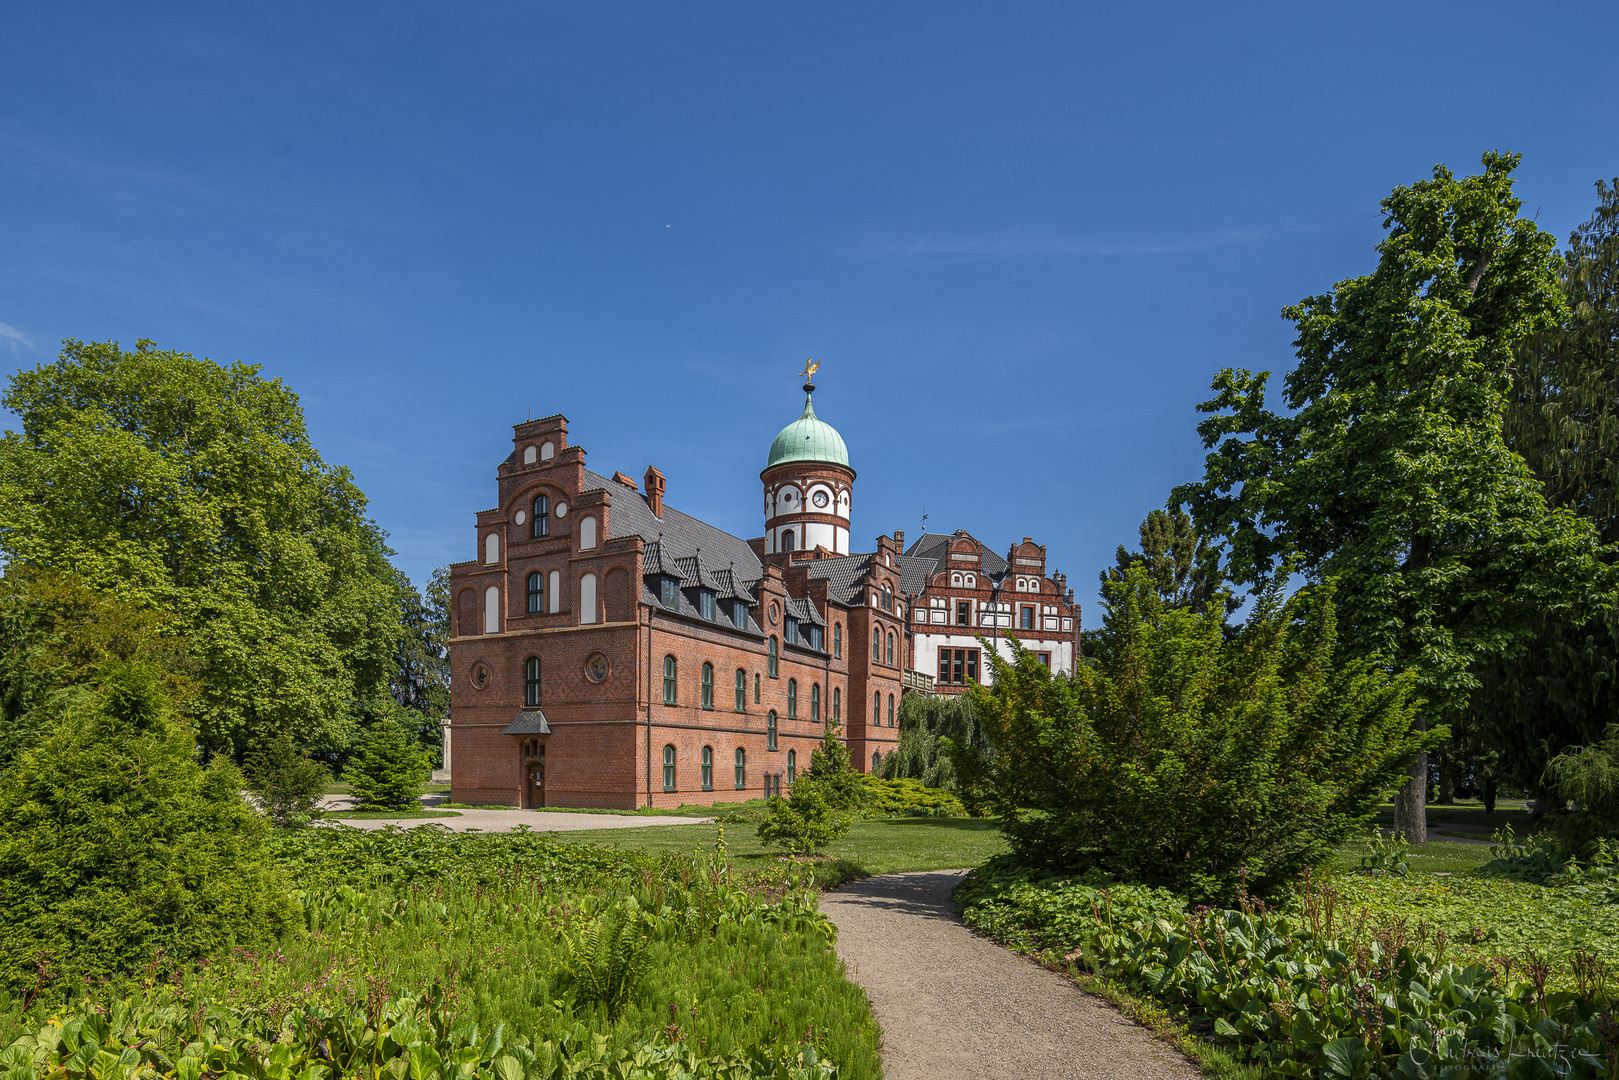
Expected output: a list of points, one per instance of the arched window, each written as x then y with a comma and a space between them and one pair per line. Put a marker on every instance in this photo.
531, 682
770, 730
890, 648
491, 549
555, 581
837, 641
876, 645
815, 702
708, 686
669, 767
546, 450
529, 455
876, 708
774, 666
890, 710
491, 610
741, 768
669, 680
587, 533
708, 768
792, 698
741, 690
876, 760
837, 703
888, 598
756, 688
542, 516
587, 599
792, 765
787, 541
536, 593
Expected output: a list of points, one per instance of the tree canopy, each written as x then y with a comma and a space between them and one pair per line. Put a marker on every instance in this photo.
179, 484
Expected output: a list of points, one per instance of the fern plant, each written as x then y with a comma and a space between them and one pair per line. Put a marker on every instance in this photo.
607, 957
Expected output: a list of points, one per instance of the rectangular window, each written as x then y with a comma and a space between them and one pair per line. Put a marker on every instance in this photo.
671, 593
958, 666
708, 605
944, 665
1028, 617
792, 630
1045, 658
956, 671
668, 680
972, 665
964, 613
739, 614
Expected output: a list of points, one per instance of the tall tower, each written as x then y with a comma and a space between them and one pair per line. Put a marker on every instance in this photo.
808, 483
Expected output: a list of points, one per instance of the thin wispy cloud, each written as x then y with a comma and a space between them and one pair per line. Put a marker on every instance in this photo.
15, 339
1026, 245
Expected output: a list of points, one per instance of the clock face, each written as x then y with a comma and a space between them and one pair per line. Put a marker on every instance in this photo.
820, 498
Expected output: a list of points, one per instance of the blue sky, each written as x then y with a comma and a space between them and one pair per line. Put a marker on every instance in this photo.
1021, 238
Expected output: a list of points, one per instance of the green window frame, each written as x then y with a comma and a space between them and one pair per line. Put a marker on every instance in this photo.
837, 703
541, 525
876, 709
708, 686
792, 699
708, 768
741, 769
536, 593
741, 690
815, 702
890, 710
890, 647
670, 687
756, 688
876, 645
775, 659
837, 641
792, 766
770, 730
669, 767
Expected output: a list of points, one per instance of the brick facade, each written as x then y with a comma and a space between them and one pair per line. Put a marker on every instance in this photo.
582, 633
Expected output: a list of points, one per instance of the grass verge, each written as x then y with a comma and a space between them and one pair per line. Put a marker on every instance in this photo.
388, 815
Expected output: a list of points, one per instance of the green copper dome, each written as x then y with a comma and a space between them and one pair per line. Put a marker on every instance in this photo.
808, 439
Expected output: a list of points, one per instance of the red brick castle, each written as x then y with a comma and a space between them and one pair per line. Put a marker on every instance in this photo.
610, 651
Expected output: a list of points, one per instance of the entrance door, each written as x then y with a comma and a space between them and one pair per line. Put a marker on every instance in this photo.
536, 785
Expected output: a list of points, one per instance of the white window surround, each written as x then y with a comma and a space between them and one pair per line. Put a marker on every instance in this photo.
587, 533
587, 599
491, 610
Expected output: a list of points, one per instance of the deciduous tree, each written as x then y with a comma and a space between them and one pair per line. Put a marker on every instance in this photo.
186, 486
1389, 471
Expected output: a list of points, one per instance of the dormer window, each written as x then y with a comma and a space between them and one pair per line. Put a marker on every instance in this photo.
792, 630
739, 614
671, 593
812, 637
705, 599
542, 516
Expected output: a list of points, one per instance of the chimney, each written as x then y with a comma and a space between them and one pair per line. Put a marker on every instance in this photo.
899, 539
654, 490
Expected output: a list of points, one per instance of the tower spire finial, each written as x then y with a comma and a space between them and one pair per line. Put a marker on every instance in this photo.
810, 368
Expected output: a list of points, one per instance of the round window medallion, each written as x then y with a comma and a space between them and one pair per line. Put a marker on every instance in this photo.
774, 611
520, 517
596, 667
562, 509
819, 500
480, 675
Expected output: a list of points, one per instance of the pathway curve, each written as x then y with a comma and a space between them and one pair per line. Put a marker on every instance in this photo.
955, 1005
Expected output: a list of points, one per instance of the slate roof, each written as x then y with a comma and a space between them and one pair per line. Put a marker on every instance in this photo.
935, 546
804, 611
528, 722
914, 573
679, 535
843, 575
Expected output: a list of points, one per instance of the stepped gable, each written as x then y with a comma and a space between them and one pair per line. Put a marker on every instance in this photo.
934, 546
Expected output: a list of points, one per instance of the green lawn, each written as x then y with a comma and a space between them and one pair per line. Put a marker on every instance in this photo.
388, 815
885, 846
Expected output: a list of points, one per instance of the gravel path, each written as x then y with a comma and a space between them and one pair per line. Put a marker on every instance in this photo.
954, 1005
507, 820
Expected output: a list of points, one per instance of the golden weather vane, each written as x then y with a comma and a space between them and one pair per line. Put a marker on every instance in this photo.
810, 367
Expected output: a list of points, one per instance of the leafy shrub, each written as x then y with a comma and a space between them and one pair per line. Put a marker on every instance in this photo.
606, 957
138, 1038
923, 722
118, 845
1208, 760
387, 771
908, 798
804, 823
287, 783
1386, 855
1322, 994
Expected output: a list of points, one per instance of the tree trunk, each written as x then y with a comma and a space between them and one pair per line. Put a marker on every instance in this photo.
1489, 795
1411, 802
1447, 779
